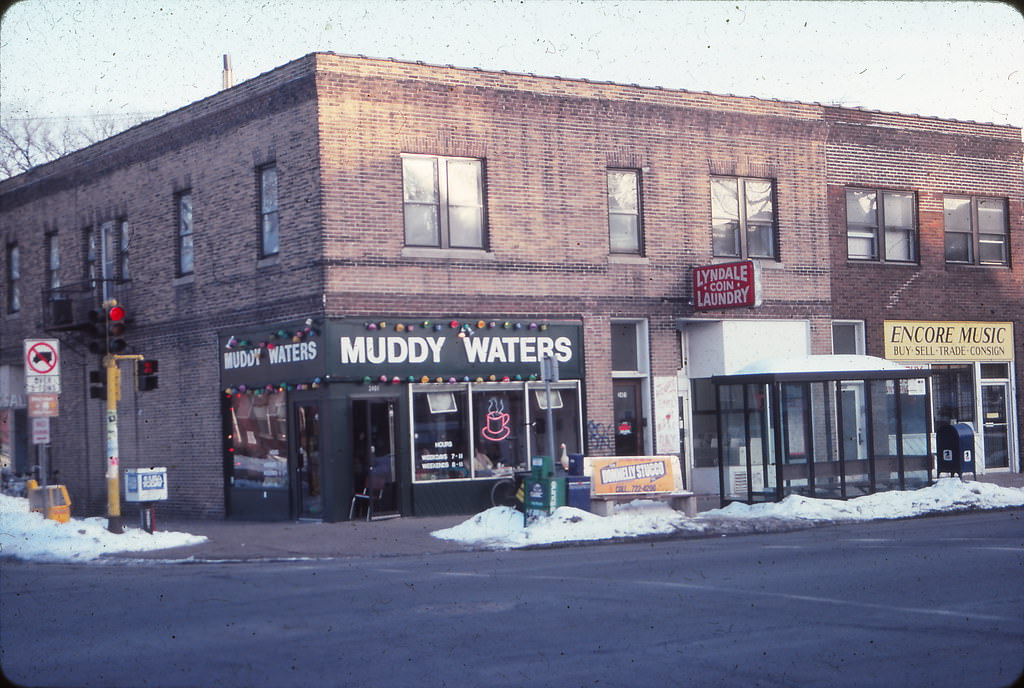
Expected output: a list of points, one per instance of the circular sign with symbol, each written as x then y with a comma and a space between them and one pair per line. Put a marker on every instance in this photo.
41, 358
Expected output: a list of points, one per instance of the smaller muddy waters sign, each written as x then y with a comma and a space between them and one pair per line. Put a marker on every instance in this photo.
726, 285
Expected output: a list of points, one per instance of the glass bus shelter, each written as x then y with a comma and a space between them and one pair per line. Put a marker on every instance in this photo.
822, 426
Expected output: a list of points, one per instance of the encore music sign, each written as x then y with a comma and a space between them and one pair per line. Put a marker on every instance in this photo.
726, 285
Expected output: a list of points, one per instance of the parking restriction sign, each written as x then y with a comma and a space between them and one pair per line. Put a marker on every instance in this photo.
42, 366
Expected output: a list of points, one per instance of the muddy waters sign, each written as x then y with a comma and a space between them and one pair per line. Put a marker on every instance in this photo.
920, 340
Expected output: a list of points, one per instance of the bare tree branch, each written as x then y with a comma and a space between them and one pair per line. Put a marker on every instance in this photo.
26, 142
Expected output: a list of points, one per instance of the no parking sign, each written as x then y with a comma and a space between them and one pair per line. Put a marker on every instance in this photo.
42, 365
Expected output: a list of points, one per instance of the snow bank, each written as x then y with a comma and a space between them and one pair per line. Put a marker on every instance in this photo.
27, 535
502, 527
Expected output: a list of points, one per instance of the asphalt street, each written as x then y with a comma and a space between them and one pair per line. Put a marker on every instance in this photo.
923, 602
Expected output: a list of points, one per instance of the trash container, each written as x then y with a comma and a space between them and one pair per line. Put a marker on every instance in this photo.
955, 447
577, 492
541, 497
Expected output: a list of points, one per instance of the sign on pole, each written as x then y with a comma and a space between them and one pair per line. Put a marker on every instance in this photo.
40, 431
43, 405
42, 366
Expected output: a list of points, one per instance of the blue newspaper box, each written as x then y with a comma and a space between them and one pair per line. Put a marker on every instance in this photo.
575, 464
577, 488
955, 447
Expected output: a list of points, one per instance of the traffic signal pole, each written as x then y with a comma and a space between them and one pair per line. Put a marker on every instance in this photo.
115, 523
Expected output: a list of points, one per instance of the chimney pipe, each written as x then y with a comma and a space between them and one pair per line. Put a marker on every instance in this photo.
227, 78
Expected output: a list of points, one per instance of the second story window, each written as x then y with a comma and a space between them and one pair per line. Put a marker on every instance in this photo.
883, 231
52, 261
443, 201
976, 230
186, 249
624, 211
269, 225
743, 217
124, 244
91, 256
13, 278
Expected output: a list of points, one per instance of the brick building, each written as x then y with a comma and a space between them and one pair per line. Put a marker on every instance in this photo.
349, 270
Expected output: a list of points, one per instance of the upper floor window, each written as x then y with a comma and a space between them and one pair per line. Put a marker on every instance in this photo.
124, 244
976, 230
743, 217
91, 256
269, 224
624, 211
443, 201
13, 278
52, 261
848, 337
186, 247
885, 231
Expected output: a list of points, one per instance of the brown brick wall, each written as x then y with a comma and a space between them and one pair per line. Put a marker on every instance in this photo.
336, 128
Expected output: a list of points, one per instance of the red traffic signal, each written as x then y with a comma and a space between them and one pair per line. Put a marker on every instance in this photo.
146, 374
116, 314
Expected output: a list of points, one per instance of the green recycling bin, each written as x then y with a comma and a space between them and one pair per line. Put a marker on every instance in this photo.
541, 496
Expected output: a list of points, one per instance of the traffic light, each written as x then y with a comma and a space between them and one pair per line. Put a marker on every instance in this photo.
96, 331
97, 384
106, 329
117, 324
146, 374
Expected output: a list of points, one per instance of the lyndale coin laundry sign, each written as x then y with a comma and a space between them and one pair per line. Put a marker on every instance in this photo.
726, 285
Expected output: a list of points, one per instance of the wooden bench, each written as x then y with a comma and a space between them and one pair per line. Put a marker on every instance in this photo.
604, 504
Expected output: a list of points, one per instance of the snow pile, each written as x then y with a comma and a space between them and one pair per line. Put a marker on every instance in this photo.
947, 494
502, 527
27, 535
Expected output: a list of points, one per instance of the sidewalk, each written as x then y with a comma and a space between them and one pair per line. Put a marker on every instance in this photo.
249, 540
270, 541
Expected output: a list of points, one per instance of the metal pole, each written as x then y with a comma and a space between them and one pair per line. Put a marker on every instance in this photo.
115, 524
549, 374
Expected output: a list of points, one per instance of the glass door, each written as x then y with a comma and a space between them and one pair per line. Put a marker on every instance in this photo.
629, 421
373, 452
309, 502
995, 428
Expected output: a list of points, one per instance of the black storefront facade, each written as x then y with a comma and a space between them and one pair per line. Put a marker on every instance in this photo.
441, 407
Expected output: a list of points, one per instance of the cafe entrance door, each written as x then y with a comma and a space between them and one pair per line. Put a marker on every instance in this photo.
373, 452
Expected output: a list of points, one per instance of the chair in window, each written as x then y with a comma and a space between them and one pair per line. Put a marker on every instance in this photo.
373, 490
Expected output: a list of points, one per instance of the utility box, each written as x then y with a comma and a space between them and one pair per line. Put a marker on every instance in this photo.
145, 484
955, 447
541, 497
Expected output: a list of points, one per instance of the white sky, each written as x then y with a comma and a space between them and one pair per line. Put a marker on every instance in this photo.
961, 60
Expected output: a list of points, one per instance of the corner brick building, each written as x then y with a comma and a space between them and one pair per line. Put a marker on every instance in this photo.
349, 270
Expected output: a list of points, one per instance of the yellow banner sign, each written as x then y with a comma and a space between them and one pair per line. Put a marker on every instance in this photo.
634, 475
921, 340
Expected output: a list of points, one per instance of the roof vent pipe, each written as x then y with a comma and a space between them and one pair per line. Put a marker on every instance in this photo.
227, 78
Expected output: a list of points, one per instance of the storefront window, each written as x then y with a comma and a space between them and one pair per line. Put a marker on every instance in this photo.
259, 441
440, 434
953, 394
488, 430
500, 431
565, 414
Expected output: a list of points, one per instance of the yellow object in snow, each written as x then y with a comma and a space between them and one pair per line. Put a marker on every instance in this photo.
51, 501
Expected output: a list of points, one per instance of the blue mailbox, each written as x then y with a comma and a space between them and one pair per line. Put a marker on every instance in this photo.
955, 446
